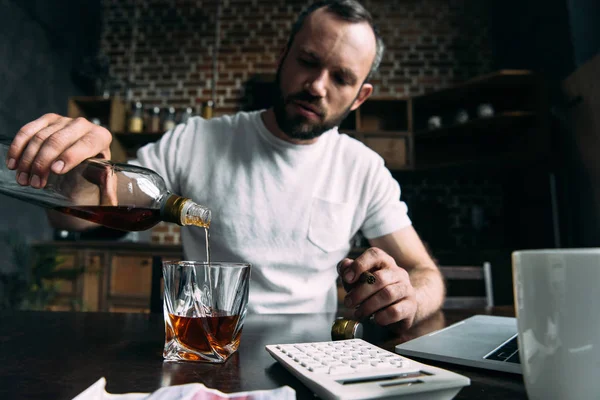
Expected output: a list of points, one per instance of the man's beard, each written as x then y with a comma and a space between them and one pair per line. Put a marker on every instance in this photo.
300, 127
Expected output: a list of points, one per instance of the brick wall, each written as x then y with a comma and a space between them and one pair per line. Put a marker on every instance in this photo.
166, 57
162, 51
456, 213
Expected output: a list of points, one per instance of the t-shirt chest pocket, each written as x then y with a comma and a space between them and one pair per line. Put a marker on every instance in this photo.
329, 227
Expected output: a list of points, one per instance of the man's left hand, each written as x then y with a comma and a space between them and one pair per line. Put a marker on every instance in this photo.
391, 299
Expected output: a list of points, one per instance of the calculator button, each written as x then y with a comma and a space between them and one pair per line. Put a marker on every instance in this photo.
309, 364
385, 365
397, 363
363, 367
335, 364
319, 369
326, 359
379, 364
302, 358
340, 369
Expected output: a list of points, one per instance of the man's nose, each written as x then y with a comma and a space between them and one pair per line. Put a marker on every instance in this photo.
317, 85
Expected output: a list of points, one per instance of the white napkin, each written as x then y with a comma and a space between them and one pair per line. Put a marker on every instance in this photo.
190, 391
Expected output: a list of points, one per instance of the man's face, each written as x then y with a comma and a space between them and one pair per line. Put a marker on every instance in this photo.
320, 78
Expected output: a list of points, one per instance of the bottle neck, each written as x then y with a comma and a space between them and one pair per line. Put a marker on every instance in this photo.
183, 211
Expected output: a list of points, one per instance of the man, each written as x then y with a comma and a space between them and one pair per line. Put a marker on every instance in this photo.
287, 190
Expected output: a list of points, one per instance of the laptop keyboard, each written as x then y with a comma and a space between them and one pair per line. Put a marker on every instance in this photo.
508, 352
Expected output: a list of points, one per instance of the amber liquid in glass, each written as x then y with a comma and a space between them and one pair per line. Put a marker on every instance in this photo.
191, 333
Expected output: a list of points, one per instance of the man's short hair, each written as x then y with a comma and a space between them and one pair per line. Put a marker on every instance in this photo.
347, 10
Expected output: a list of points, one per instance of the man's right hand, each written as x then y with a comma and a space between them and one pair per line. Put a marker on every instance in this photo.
53, 143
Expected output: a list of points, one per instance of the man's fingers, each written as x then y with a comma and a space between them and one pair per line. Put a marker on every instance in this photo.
23, 136
361, 293
55, 144
389, 297
371, 258
93, 143
103, 176
108, 192
342, 265
384, 297
29, 153
400, 313
50, 156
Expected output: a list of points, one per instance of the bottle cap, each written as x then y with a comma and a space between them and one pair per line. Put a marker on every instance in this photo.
346, 329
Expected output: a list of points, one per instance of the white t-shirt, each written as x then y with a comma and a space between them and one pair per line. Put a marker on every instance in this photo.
289, 210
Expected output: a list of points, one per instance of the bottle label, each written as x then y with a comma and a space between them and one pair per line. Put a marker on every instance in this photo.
135, 125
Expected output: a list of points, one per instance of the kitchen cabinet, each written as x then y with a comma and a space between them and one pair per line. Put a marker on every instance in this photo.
115, 277
383, 125
497, 119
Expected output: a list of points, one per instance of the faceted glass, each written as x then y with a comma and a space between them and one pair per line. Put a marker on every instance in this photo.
204, 309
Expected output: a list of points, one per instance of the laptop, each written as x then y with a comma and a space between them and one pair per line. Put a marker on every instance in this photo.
481, 341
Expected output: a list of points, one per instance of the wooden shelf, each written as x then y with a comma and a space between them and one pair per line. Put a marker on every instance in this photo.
383, 115
135, 140
366, 133
501, 162
495, 123
110, 111
506, 91
501, 79
395, 147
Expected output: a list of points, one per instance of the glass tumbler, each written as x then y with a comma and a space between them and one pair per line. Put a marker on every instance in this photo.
204, 309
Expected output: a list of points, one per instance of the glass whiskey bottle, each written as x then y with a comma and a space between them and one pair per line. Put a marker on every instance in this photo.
119, 196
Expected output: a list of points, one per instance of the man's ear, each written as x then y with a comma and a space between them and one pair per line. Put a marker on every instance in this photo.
363, 94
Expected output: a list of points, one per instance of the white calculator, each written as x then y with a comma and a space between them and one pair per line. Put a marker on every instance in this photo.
356, 369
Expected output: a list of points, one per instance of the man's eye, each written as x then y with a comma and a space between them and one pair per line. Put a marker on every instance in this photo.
340, 80
308, 63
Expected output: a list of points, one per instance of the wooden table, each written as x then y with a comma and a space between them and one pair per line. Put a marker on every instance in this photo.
56, 355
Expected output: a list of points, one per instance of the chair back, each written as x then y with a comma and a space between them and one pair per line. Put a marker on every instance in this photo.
468, 286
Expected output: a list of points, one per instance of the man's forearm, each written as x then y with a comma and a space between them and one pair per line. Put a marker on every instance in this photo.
430, 290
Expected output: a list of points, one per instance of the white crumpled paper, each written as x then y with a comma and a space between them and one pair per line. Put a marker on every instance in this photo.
190, 391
